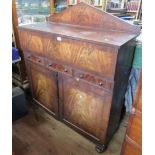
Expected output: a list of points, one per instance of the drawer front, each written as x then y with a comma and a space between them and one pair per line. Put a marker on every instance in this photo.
34, 58
95, 80
31, 41
135, 128
58, 67
79, 74
98, 59
84, 107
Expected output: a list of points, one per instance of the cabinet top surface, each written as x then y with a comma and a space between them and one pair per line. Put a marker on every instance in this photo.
88, 23
113, 38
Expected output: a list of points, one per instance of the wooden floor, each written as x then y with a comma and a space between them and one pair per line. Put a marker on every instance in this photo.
48, 136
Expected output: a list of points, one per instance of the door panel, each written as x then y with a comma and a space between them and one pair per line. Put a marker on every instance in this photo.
44, 86
85, 106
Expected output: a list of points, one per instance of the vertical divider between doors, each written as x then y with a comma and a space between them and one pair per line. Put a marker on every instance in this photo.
60, 95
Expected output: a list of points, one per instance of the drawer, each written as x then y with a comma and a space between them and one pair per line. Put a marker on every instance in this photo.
34, 58
90, 57
96, 80
31, 41
58, 67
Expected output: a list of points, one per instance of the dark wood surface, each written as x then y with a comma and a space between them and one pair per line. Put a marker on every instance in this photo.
92, 63
133, 139
86, 56
89, 16
87, 23
107, 37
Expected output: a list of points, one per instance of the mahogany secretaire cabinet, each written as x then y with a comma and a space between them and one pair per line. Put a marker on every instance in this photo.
78, 65
133, 140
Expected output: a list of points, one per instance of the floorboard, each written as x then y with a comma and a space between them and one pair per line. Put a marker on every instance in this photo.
47, 136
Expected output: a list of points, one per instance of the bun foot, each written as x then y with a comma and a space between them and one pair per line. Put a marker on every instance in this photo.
100, 148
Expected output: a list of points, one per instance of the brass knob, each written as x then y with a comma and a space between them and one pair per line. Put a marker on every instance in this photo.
100, 84
39, 60
77, 79
66, 70
81, 75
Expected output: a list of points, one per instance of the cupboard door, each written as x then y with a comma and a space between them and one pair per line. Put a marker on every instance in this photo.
85, 107
44, 87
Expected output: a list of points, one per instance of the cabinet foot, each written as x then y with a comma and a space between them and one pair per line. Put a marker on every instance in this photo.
100, 148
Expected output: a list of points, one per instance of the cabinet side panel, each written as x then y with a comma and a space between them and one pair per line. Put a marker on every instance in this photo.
123, 68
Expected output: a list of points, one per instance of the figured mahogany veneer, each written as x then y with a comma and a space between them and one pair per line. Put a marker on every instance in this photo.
84, 105
85, 55
44, 86
78, 66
